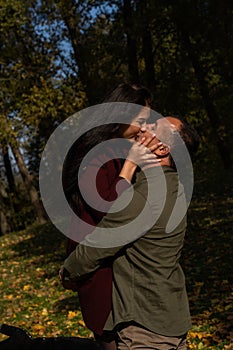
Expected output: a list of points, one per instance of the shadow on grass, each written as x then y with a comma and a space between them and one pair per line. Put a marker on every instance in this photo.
207, 261
43, 240
70, 303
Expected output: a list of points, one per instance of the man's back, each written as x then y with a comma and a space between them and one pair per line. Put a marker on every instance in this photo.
149, 284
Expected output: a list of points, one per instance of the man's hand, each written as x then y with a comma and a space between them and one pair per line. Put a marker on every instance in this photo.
67, 283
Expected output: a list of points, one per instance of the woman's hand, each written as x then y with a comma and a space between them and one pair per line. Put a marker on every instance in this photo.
142, 153
143, 150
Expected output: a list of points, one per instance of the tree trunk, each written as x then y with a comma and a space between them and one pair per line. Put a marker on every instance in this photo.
8, 168
129, 29
7, 223
149, 60
68, 12
28, 181
147, 43
204, 91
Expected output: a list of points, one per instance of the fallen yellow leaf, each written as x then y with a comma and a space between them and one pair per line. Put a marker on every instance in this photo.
71, 315
9, 297
44, 312
26, 287
195, 335
38, 327
81, 322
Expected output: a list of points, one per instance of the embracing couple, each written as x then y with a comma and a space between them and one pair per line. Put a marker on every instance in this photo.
125, 266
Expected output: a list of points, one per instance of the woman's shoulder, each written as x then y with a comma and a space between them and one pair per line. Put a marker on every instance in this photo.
109, 150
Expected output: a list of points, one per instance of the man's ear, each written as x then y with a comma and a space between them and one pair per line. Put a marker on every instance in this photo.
163, 150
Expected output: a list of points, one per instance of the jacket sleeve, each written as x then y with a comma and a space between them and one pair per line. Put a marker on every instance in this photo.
110, 237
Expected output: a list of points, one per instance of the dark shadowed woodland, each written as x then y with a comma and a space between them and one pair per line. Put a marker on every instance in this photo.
60, 56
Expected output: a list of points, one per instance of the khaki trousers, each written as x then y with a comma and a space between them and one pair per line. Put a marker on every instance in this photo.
134, 337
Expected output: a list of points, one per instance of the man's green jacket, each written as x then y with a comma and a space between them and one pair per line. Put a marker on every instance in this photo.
143, 235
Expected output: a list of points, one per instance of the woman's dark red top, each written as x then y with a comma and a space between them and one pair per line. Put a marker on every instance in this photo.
95, 295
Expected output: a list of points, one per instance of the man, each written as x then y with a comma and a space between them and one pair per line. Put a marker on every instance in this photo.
150, 307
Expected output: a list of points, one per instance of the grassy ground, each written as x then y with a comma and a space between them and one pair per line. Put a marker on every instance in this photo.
32, 297
31, 294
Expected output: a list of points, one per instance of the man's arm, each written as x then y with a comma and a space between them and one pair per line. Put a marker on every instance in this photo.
115, 231
130, 217
85, 260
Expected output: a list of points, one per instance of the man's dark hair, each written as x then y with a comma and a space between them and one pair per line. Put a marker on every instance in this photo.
189, 135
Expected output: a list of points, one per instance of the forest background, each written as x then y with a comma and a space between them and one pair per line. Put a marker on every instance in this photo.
60, 56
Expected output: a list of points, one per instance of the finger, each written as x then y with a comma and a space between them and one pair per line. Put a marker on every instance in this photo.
152, 160
155, 146
140, 138
148, 140
155, 161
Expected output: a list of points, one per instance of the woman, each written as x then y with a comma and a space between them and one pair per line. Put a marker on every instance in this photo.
113, 177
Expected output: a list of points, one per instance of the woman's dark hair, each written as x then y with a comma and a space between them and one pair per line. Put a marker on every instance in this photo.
132, 93
129, 93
